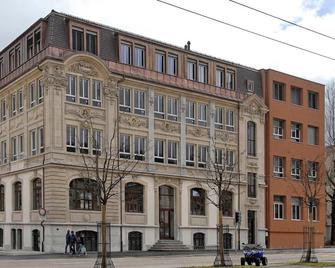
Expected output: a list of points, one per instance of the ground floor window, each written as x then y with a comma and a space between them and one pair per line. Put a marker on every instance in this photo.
1, 237
199, 241
228, 241
90, 239
36, 240
135, 241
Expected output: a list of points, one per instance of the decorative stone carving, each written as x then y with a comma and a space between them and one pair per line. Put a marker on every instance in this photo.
133, 121
84, 68
110, 88
54, 75
226, 136
85, 113
197, 131
167, 126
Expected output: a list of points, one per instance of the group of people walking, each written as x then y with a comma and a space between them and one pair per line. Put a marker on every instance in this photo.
75, 244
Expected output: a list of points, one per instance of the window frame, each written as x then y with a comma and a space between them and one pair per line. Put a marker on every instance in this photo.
278, 171
197, 203
278, 130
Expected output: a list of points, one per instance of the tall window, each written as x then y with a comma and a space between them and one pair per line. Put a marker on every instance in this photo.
83, 91
40, 91
20, 101
190, 112
202, 156
219, 157
3, 110
230, 80
14, 149
172, 113
296, 168
278, 128
251, 138
37, 193
139, 152
172, 65
191, 70
219, 113
252, 185
2, 197
139, 102
296, 132
219, 82
17, 196
91, 42
124, 99
278, 207
230, 159
33, 142
160, 62
83, 194
312, 170
134, 197
278, 166
71, 138
14, 108
96, 93
125, 53
202, 114
97, 141
230, 124
84, 141
33, 94
159, 151
71, 88
125, 146
77, 39
278, 91
1, 238
190, 155
139, 56
4, 152
159, 106
313, 99
296, 95
30, 46
203, 73
296, 208
172, 152
1, 68
227, 204
312, 135
198, 204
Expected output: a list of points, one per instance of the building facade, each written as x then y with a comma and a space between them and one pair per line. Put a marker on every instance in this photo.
294, 149
173, 109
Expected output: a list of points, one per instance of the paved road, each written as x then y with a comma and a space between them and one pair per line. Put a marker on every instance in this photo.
281, 259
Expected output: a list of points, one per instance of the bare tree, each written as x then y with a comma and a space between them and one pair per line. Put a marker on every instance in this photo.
330, 151
105, 171
312, 184
220, 174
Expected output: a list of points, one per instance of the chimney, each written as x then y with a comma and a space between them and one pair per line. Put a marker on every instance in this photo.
188, 45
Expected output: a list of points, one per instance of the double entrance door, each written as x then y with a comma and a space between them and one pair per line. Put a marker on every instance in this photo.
166, 212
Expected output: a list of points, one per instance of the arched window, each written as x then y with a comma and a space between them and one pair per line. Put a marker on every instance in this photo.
2, 197
199, 241
17, 196
198, 201
251, 133
134, 197
227, 204
37, 193
135, 241
84, 194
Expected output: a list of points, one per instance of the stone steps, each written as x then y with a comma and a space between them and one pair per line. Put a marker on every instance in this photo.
169, 245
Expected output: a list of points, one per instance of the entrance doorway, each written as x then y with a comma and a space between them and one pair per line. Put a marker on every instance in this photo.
166, 212
90, 239
251, 227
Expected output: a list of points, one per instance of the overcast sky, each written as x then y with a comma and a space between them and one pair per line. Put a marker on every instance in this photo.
158, 21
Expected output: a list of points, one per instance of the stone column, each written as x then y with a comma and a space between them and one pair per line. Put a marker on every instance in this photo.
182, 131
151, 127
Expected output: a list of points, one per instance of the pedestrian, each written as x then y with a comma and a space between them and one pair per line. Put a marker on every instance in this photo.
67, 241
78, 243
72, 243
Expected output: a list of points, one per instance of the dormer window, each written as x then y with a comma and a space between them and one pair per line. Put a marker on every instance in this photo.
77, 39
84, 40
250, 86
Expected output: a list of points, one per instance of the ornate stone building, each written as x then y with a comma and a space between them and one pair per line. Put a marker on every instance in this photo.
172, 106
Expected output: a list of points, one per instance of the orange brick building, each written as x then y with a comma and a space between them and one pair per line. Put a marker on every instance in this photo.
294, 140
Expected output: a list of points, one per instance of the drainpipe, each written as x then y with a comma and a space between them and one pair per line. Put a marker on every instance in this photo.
239, 181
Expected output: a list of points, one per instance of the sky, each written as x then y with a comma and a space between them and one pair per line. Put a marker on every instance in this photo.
153, 19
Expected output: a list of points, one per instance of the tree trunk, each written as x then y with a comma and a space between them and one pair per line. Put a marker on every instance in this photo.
332, 239
103, 237
309, 234
221, 241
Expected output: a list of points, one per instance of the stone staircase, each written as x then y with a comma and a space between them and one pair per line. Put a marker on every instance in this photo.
169, 245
